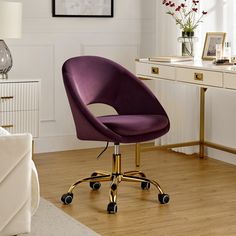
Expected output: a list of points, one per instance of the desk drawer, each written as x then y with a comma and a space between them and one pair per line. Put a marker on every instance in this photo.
230, 80
147, 70
200, 77
18, 96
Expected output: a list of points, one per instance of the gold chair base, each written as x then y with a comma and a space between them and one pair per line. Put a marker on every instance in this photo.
115, 177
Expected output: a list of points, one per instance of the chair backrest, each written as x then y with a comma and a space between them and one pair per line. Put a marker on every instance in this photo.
97, 80
92, 79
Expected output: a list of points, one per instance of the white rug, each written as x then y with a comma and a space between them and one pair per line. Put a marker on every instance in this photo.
51, 221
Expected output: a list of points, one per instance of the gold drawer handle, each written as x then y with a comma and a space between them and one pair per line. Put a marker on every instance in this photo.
198, 76
7, 97
7, 126
155, 70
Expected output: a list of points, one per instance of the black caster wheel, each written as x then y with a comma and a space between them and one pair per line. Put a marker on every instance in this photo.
112, 208
163, 198
145, 185
94, 185
67, 198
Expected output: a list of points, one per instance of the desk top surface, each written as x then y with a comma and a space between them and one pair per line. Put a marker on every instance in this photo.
196, 64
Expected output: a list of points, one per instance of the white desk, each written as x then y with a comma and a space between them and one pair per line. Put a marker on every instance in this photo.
199, 73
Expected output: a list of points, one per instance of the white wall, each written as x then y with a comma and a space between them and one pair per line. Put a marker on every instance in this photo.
47, 42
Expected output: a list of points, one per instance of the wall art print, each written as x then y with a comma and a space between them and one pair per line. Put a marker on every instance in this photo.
82, 8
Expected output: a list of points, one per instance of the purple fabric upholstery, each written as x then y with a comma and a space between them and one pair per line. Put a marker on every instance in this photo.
130, 125
92, 79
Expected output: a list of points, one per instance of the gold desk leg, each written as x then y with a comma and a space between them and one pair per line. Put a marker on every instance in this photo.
137, 154
201, 130
202, 122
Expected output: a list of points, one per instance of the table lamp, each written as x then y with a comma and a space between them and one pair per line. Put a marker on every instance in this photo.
10, 27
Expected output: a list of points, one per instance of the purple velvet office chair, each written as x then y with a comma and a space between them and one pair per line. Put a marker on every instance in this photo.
140, 117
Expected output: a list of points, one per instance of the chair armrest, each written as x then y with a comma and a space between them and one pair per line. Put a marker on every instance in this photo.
15, 183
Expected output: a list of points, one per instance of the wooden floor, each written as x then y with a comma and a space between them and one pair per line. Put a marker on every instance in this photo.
203, 193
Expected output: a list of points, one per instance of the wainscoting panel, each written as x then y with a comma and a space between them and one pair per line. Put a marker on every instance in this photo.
37, 62
123, 54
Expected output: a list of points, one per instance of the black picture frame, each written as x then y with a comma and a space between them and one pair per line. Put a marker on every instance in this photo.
57, 9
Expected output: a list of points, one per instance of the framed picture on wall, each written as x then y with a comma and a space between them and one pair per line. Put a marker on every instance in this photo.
212, 38
82, 8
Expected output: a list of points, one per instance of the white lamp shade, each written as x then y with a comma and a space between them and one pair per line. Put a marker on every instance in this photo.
10, 19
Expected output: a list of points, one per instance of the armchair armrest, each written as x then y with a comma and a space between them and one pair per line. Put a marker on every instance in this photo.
15, 183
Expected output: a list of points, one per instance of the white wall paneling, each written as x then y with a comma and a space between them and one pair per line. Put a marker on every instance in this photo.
37, 61
123, 54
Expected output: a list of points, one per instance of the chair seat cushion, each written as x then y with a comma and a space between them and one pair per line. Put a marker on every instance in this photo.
130, 125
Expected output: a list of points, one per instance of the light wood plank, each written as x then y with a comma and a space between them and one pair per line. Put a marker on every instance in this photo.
203, 193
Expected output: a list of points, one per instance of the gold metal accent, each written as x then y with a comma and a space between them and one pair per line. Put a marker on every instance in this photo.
155, 70
116, 177
142, 78
186, 144
7, 97
135, 172
198, 76
141, 179
101, 172
92, 179
7, 126
137, 154
116, 164
168, 146
113, 189
220, 147
202, 122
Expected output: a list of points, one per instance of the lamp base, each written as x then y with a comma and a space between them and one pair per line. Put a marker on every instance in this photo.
5, 60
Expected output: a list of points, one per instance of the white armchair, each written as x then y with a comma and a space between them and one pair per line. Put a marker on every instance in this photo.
15, 184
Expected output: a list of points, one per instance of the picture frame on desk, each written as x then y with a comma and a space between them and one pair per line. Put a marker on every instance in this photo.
82, 8
211, 39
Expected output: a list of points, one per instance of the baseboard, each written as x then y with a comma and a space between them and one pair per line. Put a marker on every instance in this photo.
221, 156
62, 143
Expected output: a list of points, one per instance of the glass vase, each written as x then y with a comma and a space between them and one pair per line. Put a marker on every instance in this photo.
187, 43
5, 60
